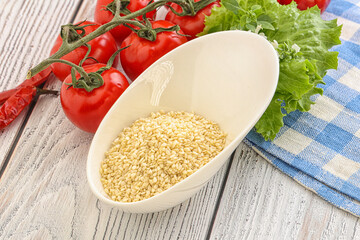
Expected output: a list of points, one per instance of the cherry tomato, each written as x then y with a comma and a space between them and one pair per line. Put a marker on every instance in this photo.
142, 53
86, 109
120, 32
102, 48
305, 4
191, 25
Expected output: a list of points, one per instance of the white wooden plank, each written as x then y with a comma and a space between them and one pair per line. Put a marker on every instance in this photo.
260, 202
86, 11
189, 220
28, 29
44, 192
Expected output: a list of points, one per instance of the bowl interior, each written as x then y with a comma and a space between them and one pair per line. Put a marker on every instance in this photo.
227, 77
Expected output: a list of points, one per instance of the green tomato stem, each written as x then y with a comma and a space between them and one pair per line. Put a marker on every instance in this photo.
79, 69
117, 20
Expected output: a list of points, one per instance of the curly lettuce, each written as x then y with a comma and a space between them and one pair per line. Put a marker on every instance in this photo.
302, 40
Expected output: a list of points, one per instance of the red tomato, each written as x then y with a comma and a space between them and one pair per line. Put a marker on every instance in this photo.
191, 25
86, 109
120, 32
142, 53
102, 48
305, 4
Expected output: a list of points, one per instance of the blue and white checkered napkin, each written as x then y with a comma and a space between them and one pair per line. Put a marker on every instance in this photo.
321, 148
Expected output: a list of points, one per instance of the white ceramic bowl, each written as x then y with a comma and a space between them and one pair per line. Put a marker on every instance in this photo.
227, 77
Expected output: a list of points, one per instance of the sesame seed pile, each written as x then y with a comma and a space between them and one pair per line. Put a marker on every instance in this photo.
157, 152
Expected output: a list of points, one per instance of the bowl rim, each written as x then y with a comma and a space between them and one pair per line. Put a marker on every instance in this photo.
91, 179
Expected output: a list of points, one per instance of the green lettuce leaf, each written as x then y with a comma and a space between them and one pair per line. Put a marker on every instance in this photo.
302, 40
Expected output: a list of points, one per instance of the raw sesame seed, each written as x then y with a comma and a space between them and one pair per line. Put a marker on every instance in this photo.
157, 152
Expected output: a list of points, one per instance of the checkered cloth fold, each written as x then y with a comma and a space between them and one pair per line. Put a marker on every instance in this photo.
321, 148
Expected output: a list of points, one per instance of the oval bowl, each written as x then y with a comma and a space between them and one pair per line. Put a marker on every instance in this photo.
227, 77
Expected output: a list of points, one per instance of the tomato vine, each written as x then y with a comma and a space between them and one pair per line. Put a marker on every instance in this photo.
88, 78
189, 7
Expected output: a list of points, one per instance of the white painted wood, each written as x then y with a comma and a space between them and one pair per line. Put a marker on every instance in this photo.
260, 202
86, 11
28, 29
44, 190
189, 220
44, 193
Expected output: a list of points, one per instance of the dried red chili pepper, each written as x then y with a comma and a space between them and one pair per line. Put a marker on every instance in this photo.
13, 106
33, 82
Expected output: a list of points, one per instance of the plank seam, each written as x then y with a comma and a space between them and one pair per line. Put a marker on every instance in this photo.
17, 137
28, 114
218, 201
77, 10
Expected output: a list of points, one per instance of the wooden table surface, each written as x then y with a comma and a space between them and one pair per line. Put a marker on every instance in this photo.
43, 188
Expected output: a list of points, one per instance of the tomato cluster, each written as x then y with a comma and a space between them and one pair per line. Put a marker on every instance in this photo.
87, 109
102, 48
86, 105
120, 32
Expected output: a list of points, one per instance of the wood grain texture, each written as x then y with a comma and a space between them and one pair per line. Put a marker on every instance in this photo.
44, 192
86, 11
190, 220
28, 29
260, 202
